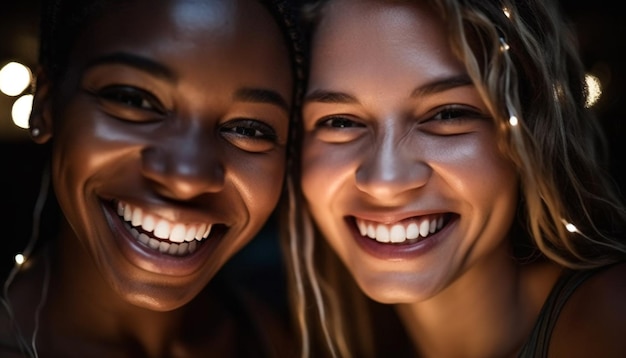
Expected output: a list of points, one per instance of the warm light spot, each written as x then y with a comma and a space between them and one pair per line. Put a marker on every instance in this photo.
14, 78
507, 12
503, 45
19, 259
513, 121
21, 110
594, 89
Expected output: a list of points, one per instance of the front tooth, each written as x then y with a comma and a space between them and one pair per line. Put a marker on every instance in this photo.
397, 233
143, 238
164, 247
412, 231
127, 212
424, 228
191, 233
200, 231
173, 250
148, 223
162, 229
154, 243
207, 231
362, 227
192, 246
382, 233
136, 217
182, 248
178, 233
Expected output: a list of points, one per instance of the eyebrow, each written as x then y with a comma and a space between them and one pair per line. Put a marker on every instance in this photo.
442, 85
138, 62
248, 94
436, 86
329, 97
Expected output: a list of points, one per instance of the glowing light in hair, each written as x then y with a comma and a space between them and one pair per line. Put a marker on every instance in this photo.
20, 259
594, 89
503, 45
513, 121
506, 12
14, 78
569, 226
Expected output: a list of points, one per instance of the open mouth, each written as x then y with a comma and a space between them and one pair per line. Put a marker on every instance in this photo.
159, 234
406, 231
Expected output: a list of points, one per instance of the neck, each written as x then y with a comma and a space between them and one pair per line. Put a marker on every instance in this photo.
488, 311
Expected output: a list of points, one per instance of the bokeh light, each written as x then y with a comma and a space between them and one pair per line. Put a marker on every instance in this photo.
594, 89
21, 110
14, 78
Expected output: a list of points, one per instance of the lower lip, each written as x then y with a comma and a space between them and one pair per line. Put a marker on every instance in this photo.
398, 251
152, 260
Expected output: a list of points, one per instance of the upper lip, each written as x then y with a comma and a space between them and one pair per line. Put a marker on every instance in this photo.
393, 216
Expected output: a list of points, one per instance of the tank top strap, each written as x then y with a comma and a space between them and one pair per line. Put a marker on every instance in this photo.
539, 340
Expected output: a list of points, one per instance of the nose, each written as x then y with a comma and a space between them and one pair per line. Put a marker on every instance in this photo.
184, 168
391, 168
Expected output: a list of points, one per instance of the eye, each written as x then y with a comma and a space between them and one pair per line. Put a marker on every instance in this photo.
250, 135
338, 129
454, 120
129, 103
339, 122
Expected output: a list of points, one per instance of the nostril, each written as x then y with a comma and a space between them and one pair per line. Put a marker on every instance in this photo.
180, 173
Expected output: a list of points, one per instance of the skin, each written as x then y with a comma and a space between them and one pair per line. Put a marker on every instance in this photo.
395, 132
181, 112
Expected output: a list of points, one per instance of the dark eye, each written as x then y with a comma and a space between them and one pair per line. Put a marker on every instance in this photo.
339, 122
454, 120
455, 114
250, 135
131, 97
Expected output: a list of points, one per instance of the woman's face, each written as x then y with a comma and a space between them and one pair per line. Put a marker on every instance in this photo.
169, 135
401, 168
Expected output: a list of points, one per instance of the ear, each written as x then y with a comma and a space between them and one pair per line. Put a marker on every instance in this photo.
40, 121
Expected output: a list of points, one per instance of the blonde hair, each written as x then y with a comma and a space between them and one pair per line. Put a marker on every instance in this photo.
523, 59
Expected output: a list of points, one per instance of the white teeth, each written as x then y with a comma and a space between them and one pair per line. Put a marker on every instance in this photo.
424, 228
382, 234
401, 231
182, 238
397, 234
178, 233
412, 231
162, 229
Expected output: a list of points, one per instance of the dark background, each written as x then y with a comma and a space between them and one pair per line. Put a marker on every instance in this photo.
600, 26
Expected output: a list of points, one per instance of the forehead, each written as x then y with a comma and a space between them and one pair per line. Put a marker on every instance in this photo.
387, 40
147, 25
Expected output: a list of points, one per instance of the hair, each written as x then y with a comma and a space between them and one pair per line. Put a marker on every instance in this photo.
523, 58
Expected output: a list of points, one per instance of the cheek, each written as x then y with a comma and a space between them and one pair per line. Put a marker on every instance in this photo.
259, 181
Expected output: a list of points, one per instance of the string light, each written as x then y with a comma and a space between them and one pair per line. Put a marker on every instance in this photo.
506, 12
569, 226
503, 45
513, 121
20, 259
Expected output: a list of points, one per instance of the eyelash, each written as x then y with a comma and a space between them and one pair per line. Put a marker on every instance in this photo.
454, 114
242, 127
131, 97
344, 122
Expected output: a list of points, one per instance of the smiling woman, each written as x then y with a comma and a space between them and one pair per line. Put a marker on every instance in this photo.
452, 179
168, 124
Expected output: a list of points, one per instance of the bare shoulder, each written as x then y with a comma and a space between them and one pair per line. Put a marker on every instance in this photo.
593, 321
